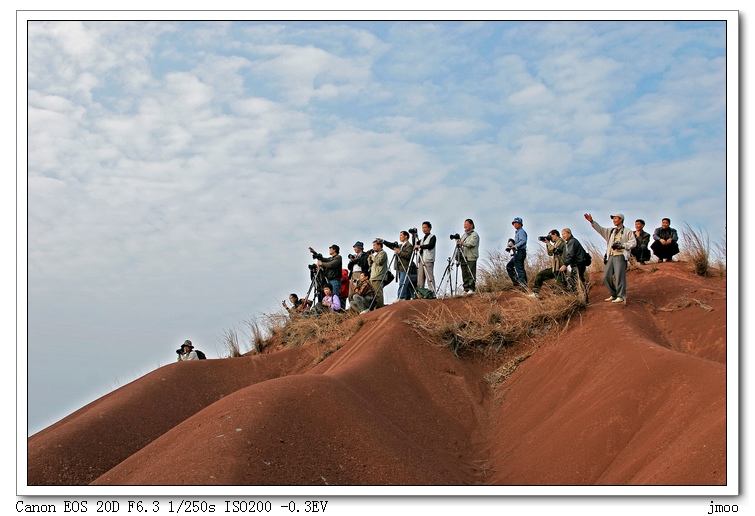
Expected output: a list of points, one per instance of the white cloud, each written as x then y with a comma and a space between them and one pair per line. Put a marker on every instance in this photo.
178, 172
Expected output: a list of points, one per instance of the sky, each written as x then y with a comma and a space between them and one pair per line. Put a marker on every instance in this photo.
178, 171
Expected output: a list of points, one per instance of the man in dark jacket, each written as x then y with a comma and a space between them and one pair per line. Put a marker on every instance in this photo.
641, 252
577, 258
332, 265
665, 241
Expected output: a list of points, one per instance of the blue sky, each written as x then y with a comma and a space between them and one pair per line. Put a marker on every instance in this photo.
178, 171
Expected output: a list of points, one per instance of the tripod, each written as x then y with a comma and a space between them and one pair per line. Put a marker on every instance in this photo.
458, 258
407, 276
315, 284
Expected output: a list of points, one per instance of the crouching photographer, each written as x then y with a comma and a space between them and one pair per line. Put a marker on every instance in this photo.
555, 246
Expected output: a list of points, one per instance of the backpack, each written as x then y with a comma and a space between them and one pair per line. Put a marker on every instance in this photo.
200, 354
424, 293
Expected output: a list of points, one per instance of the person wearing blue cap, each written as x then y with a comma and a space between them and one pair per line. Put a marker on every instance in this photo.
518, 248
619, 243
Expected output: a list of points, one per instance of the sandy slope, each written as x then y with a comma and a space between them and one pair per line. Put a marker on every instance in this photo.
629, 394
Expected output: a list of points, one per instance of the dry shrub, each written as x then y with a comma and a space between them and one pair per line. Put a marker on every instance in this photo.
230, 342
328, 328
696, 249
481, 324
491, 272
262, 328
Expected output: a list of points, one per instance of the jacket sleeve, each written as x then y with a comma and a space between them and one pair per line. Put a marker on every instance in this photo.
430, 244
332, 262
604, 232
657, 234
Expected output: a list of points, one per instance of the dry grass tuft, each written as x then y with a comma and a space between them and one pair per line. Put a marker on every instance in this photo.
481, 324
491, 272
230, 342
328, 331
263, 328
326, 328
696, 249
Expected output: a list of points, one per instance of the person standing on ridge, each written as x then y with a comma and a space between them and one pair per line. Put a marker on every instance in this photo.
619, 243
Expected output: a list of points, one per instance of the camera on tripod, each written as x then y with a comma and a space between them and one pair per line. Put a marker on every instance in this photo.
455, 236
413, 231
312, 267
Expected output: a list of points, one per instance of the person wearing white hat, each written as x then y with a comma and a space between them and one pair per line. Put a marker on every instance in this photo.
619, 243
186, 352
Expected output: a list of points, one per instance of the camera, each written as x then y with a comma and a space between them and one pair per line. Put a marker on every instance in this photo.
616, 246
557, 251
455, 236
413, 231
312, 267
543, 238
352, 257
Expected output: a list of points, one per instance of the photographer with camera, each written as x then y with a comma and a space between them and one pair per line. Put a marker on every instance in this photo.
378, 260
186, 352
358, 262
404, 251
364, 293
554, 246
469, 246
426, 249
332, 265
619, 243
297, 305
515, 267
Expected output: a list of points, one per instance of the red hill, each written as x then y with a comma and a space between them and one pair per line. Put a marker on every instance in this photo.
632, 394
